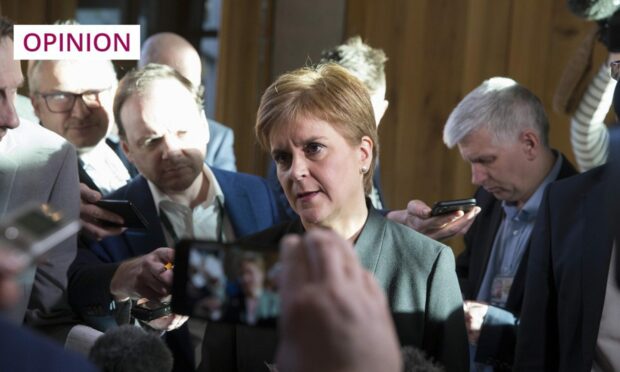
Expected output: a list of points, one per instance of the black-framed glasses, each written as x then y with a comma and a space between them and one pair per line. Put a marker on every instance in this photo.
615, 70
61, 102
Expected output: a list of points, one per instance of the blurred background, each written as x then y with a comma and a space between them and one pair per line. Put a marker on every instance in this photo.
438, 51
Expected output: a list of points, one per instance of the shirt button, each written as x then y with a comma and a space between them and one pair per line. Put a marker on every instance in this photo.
515, 232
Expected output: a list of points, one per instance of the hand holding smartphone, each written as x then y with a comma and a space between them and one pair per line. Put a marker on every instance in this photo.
124, 208
449, 206
33, 230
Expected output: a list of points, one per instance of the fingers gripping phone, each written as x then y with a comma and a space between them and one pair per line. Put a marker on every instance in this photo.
150, 311
124, 208
449, 206
33, 230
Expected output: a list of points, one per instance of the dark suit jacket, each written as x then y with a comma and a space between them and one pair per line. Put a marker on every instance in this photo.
22, 350
417, 275
249, 204
566, 277
497, 339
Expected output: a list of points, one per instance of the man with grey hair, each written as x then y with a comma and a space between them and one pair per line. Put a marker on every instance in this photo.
501, 129
74, 99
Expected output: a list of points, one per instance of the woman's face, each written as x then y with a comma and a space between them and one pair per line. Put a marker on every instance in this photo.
251, 279
320, 171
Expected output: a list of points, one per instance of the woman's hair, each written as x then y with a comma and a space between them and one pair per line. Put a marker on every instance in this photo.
326, 92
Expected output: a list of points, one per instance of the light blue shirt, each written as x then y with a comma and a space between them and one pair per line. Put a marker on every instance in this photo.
512, 238
509, 245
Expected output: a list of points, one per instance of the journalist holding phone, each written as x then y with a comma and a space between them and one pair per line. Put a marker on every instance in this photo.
319, 127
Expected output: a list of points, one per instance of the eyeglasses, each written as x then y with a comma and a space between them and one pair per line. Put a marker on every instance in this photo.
61, 102
615, 70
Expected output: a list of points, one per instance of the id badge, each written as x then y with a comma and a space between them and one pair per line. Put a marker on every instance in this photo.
500, 290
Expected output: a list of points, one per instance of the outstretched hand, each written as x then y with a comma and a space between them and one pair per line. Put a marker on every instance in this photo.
418, 217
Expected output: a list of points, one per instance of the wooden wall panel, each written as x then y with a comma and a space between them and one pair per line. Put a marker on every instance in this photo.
243, 74
438, 51
38, 11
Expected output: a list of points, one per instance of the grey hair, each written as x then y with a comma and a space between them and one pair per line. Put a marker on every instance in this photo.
34, 66
501, 106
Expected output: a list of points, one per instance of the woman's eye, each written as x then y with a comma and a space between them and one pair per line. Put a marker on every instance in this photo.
281, 159
313, 148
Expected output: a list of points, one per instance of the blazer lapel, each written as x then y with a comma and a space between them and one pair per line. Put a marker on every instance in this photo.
85, 178
142, 241
487, 243
370, 241
596, 249
238, 204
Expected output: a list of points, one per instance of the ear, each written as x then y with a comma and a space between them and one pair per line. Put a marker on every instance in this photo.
365, 148
126, 150
530, 143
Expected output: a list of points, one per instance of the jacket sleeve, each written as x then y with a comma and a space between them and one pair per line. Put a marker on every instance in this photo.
588, 132
445, 336
497, 340
48, 306
89, 289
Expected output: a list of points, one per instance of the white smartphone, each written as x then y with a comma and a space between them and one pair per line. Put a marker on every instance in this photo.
35, 229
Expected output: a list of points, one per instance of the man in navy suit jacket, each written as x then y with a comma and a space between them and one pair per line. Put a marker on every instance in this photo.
570, 312
179, 195
170, 49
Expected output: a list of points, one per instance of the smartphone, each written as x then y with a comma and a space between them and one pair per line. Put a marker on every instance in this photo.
449, 206
226, 282
35, 229
124, 208
150, 310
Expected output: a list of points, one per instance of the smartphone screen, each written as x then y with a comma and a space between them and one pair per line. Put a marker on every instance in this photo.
226, 282
35, 229
449, 206
124, 208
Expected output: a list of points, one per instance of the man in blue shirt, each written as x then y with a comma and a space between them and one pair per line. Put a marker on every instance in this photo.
501, 129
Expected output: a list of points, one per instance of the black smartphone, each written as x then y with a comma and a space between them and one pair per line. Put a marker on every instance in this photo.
226, 282
150, 311
124, 208
34, 229
449, 206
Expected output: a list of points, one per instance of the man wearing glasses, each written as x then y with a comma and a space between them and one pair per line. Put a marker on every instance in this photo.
74, 99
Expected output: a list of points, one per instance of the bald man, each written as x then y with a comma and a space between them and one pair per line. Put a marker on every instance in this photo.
170, 49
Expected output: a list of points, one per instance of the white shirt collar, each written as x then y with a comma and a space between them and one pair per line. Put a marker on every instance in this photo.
104, 167
7, 142
214, 190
